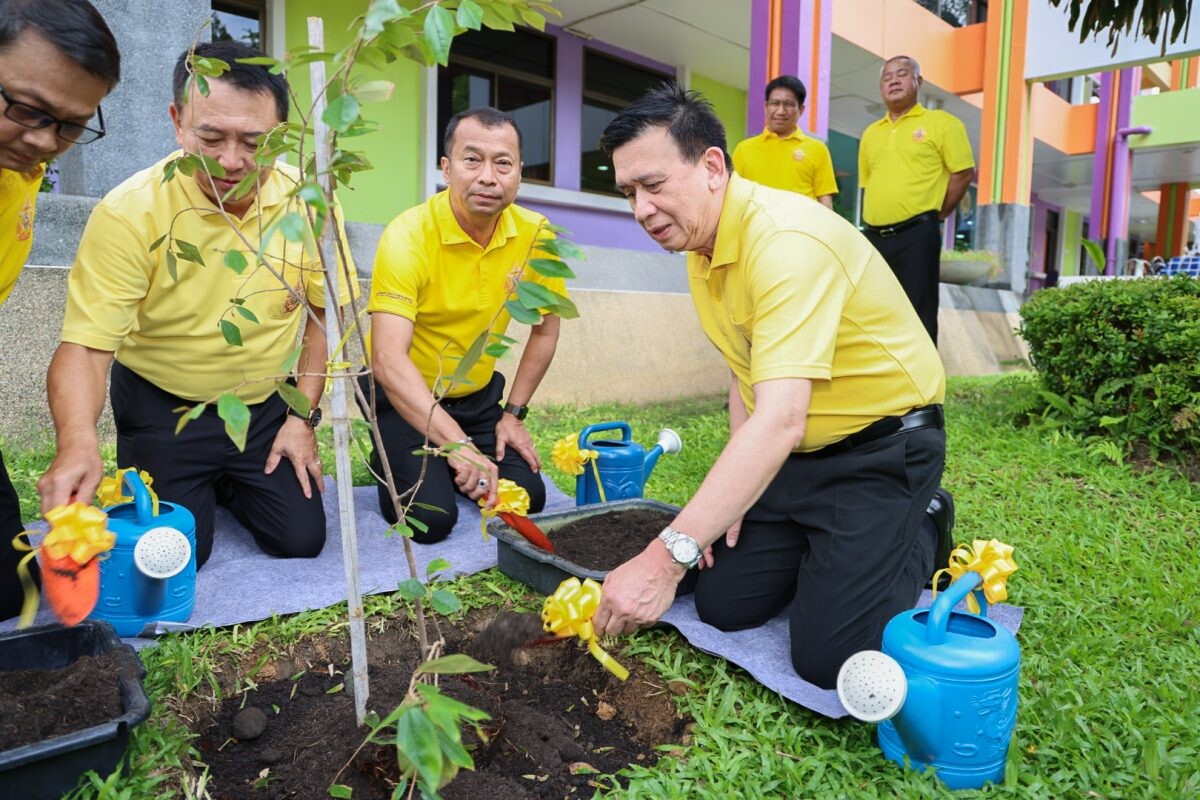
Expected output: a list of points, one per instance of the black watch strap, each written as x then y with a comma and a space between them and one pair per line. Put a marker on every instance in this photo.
312, 420
520, 412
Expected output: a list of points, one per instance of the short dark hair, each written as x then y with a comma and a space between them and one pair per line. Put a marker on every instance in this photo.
75, 27
792, 84
486, 116
247, 77
688, 117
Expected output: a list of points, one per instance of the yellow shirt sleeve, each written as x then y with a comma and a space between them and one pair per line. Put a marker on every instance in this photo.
824, 181
864, 169
956, 146
400, 272
109, 279
795, 327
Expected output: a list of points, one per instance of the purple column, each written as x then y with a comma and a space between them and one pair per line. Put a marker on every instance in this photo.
760, 12
1037, 244
799, 26
568, 110
1118, 196
1100, 157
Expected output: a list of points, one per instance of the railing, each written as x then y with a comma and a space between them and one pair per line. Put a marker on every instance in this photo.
957, 12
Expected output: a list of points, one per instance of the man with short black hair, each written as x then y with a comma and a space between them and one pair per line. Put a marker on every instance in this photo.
159, 317
58, 60
782, 156
836, 435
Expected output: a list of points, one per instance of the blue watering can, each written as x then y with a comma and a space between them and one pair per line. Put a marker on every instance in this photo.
150, 574
944, 689
623, 464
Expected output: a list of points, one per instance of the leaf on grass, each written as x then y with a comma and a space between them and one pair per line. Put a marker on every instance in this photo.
232, 409
436, 565
411, 589
236, 261
297, 400
231, 333
454, 664
341, 791
444, 602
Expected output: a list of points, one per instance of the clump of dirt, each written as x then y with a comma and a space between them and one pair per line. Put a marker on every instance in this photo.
503, 637
603, 542
37, 704
558, 720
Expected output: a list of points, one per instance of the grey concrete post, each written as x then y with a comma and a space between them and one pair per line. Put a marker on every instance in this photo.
1005, 228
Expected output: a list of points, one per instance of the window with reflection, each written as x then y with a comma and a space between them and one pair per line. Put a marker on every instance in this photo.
240, 21
609, 85
957, 12
511, 71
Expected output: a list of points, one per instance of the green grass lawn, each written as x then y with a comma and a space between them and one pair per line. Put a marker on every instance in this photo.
1111, 636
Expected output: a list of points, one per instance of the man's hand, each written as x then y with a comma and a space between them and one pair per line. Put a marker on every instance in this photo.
731, 540
298, 443
511, 432
470, 467
638, 592
74, 475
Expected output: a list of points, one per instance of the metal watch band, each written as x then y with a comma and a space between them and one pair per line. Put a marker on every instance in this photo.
520, 412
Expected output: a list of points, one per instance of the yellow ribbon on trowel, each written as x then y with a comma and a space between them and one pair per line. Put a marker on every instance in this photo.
511, 498
571, 459
78, 534
112, 490
991, 559
568, 612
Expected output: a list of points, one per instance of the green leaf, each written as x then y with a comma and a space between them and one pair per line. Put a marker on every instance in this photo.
246, 313
436, 565
231, 333
416, 738
533, 295
416, 523
341, 111
1096, 253
455, 664
562, 248
341, 791
374, 91
469, 359
401, 529
297, 400
233, 410
379, 14
311, 193
188, 415
439, 32
242, 188
444, 602
262, 61
292, 360
208, 66
522, 314
497, 350
236, 261
169, 169
158, 242
172, 266
201, 83
189, 252
551, 268
533, 19
470, 15
292, 227
564, 308
411, 589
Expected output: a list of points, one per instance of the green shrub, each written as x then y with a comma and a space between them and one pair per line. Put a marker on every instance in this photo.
1121, 358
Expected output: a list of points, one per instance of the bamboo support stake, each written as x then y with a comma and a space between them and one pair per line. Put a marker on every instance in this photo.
341, 420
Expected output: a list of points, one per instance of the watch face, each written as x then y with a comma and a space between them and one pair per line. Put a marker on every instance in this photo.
314, 419
684, 550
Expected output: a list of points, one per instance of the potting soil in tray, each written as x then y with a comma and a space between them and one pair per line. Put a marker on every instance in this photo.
37, 704
557, 719
605, 541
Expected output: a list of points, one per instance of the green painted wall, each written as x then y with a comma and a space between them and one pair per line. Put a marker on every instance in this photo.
1072, 238
1172, 115
394, 149
844, 152
729, 103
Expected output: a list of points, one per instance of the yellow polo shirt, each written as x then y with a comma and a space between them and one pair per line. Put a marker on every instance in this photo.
794, 162
122, 298
793, 291
428, 270
905, 166
18, 201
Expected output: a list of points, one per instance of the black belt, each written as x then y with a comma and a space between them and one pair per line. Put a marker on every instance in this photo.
915, 420
902, 225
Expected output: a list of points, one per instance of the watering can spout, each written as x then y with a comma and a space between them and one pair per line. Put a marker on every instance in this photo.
668, 442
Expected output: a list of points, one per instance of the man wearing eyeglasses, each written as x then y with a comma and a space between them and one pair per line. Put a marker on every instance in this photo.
782, 156
58, 60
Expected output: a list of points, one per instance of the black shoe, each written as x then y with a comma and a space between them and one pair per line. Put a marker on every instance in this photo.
940, 518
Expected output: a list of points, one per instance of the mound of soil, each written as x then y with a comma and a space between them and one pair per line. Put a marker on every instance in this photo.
558, 720
606, 541
37, 704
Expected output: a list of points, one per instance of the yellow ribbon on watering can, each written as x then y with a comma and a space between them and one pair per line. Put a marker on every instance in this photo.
78, 531
571, 459
991, 559
112, 490
568, 612
511, 498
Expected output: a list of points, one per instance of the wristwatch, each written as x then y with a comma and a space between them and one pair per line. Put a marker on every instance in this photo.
683, 548
517, 411
312, 420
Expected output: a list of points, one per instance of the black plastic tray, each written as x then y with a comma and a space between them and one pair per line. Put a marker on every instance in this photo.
52, 767
542, 571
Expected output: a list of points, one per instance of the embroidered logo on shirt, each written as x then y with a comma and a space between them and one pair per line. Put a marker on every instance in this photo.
291, 300
25, 222
798, 154
513, 278
919, 135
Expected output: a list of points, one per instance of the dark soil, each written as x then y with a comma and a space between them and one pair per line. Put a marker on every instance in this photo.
557, 719
37, 704
606, 541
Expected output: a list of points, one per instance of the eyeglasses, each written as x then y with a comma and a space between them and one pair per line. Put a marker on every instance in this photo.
786, 105
29, 116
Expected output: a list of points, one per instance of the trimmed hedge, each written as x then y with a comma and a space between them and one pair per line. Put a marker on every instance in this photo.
1121, 358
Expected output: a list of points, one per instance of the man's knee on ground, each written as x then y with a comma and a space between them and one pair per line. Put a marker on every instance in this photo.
818, 662
304, 539
713, 608
437, 524
537, 494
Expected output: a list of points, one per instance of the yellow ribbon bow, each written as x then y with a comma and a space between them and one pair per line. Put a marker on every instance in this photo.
571, 459
76, 530
568, 612
511, 498
991, 559
112, 490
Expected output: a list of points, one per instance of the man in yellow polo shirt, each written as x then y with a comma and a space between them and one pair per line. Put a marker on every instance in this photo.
782, 156
58, 60
169, 321
836, 438
443, 272
915, 166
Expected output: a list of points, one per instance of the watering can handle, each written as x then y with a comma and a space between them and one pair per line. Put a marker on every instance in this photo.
626, 432
141, 497
939, 613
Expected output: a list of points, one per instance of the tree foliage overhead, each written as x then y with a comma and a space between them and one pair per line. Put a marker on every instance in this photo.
1118, 18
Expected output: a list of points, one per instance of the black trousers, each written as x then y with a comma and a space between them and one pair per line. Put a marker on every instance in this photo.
915, 254
201, 467
843, 536
11, 595
477, 414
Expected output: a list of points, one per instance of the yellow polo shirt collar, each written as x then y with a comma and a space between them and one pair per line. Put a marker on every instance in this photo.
452, 233
725, 249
